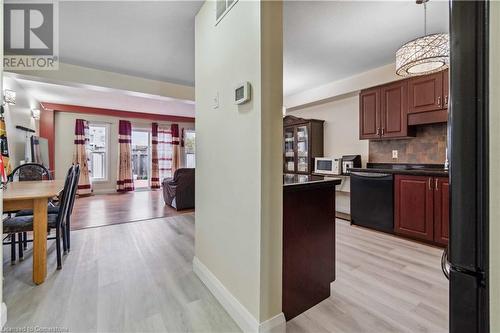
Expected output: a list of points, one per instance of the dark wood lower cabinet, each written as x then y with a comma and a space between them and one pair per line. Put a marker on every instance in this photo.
413, 210
421, 208
441, 210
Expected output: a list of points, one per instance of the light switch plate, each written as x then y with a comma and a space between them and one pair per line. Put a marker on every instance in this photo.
395, 154
215, 102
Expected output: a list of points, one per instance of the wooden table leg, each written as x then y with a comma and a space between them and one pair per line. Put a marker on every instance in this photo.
39, 240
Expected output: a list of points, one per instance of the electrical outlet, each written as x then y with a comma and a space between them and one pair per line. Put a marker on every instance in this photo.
395, 154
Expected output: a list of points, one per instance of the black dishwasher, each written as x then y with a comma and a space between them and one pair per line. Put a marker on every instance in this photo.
372, 200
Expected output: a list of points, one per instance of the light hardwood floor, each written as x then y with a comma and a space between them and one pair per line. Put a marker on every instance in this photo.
383, 284
115, 208
138, 277
133, 277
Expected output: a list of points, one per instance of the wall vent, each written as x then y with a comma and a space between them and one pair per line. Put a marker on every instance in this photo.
222, 8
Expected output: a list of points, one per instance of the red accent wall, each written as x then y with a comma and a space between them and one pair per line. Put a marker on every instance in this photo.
47, 120
115, 113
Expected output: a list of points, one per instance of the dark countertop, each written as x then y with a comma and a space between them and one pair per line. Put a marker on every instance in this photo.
435, 170
297, 181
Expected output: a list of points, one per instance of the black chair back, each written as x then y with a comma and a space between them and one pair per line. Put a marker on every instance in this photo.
30, 171
66, 196
76, 178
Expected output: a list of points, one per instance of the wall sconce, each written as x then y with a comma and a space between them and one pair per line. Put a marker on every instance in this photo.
35, 113
9, 96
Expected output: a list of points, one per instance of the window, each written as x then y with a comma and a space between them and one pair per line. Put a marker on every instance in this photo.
98, 151
189, 148
140, 158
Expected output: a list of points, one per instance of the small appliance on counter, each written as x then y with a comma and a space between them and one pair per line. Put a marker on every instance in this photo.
327, 166
349, 162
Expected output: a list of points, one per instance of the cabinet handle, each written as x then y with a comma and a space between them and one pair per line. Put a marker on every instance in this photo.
430, 184
436, 184
439, 100
383, 130
445, 100
378, 131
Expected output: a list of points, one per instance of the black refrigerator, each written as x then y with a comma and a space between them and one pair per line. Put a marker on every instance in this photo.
468, 153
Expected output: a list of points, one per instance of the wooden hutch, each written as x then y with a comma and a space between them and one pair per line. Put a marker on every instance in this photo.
302, 142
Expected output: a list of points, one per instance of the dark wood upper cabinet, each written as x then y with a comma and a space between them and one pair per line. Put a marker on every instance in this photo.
369, 114
391, 110
426, 93
383, 112
413, 207
394, 105
441, 210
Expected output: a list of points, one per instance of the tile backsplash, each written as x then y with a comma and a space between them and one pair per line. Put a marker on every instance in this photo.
428, 147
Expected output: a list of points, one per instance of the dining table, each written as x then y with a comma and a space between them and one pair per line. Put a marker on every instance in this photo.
34, 195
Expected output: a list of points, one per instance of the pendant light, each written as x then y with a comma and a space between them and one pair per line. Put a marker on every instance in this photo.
424, 55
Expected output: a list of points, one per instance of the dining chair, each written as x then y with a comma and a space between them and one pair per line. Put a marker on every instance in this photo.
55, 209
18, 224
27, 172
76, 178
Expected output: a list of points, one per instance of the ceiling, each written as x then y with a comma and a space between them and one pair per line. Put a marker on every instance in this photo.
106, 98
149, 39
326, 41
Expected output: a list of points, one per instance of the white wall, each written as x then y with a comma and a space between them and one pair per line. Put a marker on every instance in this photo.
18, 115
64, 147
494, 166
238, 176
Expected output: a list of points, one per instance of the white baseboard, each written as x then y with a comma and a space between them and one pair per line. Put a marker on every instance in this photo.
245, 320
277, 324
3, 314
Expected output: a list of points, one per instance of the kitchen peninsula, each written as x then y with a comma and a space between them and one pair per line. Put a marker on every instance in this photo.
308, 241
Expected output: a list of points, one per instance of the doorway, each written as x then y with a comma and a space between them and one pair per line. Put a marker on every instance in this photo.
141, 158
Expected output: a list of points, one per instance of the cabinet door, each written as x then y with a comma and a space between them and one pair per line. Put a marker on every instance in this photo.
303, 154
289, 150
393, 108
413, 208
446, 88
369, 114
441, 210
425, 93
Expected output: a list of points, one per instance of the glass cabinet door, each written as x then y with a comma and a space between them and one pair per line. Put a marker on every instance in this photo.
289, 150
302, 149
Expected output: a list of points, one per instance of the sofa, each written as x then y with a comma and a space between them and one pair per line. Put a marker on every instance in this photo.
178, 192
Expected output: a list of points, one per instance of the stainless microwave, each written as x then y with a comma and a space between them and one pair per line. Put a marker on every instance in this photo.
328, 166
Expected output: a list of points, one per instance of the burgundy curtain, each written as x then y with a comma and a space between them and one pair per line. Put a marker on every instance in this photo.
176, 151
81, 156
155, 167
125, 181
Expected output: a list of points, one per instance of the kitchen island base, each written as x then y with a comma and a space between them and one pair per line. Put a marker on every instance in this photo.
308, 243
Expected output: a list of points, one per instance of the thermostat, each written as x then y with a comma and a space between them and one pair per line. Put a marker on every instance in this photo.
242, 93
